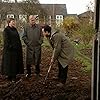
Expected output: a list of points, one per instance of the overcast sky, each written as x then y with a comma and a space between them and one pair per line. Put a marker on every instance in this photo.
73, 6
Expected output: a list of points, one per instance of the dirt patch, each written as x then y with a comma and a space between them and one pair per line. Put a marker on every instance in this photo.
77, 86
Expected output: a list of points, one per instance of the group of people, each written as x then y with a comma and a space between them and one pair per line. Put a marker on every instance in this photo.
12, 59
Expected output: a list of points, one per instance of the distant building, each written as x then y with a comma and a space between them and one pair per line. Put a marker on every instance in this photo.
55, 12
72, 15
87, 16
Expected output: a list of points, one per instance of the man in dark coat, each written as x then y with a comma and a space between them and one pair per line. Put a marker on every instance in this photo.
12, 60
63, 52
33, 38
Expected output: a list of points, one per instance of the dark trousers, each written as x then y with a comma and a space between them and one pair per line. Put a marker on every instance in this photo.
37, 69
34, 57
10, 78
62, 75
28, 67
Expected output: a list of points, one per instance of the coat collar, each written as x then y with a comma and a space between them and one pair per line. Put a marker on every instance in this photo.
53, 33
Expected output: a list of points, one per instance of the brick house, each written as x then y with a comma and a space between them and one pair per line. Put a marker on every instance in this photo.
54, 12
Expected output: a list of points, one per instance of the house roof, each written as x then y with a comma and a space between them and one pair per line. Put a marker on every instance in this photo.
59, 9
86, 14
72, 15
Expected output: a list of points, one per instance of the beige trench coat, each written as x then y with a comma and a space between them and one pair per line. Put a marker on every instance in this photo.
63, 51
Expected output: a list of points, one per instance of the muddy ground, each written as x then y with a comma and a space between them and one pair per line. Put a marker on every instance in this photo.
77, 86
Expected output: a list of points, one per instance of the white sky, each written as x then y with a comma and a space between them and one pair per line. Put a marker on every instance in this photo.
73, 6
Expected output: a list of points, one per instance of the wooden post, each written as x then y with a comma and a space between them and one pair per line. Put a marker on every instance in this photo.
95, 85
98, 66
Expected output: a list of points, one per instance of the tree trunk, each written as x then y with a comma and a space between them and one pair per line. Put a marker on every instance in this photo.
15, 1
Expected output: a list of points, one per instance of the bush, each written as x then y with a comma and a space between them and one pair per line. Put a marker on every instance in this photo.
70, 24
86, 32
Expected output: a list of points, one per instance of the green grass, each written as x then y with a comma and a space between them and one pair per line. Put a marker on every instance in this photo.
46, 43
86, 63
84, 60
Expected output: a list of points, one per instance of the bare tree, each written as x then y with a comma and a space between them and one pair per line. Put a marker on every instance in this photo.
90, 9
16, 1
32, 7
90, 6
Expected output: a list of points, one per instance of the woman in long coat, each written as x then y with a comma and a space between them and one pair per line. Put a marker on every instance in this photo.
12, 60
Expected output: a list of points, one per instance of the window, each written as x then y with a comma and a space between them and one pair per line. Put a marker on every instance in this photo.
22, 17
57, 16
10, 16
60, 17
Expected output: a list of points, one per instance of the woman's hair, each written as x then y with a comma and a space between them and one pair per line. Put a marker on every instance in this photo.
9, 20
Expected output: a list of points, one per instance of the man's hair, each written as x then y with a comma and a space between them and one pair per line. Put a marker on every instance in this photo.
47, 28
9, 20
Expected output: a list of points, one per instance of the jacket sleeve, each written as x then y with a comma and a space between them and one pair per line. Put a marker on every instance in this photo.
41, 36
24, 37
56, 46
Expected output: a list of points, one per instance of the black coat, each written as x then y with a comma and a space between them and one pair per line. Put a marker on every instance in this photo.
12, 60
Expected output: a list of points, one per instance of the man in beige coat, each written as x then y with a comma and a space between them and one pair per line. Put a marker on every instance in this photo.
63, 51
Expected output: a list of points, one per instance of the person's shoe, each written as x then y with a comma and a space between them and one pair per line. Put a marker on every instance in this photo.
28, 75
38, 76
60, 84
56, 79
13, 81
